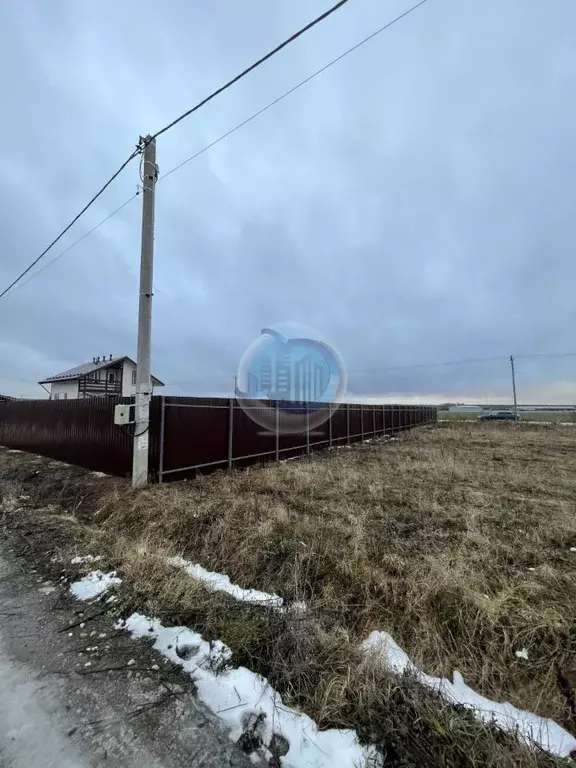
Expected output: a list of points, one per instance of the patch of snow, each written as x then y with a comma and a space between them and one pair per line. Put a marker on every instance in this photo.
530, 727
241, 698
47, 590
85, 559
94, 584
221, 583
13, 450
523, 654
99, 474
572, 549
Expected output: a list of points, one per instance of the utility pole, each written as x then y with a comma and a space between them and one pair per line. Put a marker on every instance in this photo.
514, 387
149, 177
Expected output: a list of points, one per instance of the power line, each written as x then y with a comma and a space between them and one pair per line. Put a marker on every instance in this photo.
432, 365
74, 220
200, 104
216, 141
551, 355
548, 355
75, 243
294, 88
252, 67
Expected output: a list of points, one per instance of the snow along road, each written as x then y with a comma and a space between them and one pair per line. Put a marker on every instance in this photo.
56, 713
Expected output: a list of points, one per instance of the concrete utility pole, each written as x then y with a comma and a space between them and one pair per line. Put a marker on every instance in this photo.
143, 380
514, 387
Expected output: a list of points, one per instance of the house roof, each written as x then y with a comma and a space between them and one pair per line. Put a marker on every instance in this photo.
80, 371
5, 398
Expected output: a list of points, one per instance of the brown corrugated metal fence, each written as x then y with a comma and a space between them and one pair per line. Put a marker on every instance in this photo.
187, 434
212, 433
80, 432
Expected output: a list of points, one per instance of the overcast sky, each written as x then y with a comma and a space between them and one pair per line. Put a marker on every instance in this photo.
415, 203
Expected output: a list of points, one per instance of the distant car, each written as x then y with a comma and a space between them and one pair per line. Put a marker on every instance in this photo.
499, 416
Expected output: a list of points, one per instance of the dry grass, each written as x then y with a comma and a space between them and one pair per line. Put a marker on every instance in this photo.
556, 417
456, 540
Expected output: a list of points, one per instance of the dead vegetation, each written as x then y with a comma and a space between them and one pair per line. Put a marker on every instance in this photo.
456, 540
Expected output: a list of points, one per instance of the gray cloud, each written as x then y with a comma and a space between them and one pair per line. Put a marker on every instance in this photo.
413, 203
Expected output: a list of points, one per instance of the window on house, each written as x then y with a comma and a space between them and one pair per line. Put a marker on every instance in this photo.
134, 377
65, 395
111, 376
56, 396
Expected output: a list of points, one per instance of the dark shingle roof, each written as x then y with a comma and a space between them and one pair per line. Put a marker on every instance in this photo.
82, 370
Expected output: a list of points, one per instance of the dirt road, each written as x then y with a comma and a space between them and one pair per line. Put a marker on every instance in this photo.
65, 705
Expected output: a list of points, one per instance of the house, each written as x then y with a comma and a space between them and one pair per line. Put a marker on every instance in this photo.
103, 377
6, 398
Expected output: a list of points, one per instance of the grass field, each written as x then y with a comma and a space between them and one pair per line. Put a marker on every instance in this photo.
546, 416
456, 540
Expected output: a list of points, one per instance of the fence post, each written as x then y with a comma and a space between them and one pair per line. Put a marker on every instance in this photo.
362, 422
307, 427
383, 420
374, 419
230, 431
162, 424
330, 424
348, 422
277, 427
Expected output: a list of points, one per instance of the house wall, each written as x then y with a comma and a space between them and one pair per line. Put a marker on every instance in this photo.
64, 390
128, 389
